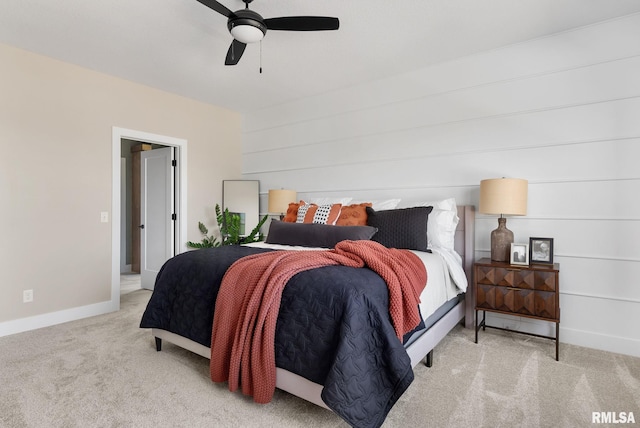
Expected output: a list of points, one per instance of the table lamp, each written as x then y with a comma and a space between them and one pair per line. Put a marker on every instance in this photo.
279, 200
503, 196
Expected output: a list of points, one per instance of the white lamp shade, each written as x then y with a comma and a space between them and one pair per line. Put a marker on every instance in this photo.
279, 200
247, 33
506, 196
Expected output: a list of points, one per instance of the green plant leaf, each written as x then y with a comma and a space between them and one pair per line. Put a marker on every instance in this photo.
229, 225
203, 229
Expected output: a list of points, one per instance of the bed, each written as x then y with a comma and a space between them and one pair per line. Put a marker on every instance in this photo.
179, 295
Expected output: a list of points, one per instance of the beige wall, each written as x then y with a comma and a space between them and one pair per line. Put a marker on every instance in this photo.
56, 124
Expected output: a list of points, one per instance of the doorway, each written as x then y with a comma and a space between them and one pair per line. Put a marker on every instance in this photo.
124, 138
148, 209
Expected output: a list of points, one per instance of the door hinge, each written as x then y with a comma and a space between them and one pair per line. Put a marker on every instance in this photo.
174, 217
174, 163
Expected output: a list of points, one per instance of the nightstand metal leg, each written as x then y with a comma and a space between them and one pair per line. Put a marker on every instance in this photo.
476, 326
557, 341
482, 323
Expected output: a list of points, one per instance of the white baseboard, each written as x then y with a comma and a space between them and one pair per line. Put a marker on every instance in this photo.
616, 344
588, 339
45, 320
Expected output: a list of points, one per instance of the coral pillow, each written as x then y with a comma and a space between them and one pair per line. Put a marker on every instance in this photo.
322, 214
353, 215
292, 213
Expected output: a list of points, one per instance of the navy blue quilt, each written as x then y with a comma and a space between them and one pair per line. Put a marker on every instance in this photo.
333, 328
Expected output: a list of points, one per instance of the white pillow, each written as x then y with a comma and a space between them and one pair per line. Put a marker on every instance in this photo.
441, 227
443, 204
328, 201
380, 205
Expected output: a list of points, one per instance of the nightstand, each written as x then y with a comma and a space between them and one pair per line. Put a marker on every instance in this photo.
530, 291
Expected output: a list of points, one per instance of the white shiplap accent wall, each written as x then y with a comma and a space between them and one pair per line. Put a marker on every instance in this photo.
561, 111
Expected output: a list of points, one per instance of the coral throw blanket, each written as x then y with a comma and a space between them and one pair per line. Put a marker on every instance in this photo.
247, 306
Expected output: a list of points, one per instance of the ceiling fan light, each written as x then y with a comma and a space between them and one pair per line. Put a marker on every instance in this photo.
247, 33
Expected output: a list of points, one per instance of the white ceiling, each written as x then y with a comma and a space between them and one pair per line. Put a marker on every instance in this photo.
180, 45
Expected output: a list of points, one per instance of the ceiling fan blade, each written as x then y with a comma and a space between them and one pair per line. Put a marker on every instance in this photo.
235, 52
302, 23
213, 4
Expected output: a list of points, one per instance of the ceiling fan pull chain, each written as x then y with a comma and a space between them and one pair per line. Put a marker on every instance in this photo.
260, 56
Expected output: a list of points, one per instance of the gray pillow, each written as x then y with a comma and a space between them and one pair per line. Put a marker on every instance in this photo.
315, 235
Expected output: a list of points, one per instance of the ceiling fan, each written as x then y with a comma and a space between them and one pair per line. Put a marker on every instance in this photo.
247, 26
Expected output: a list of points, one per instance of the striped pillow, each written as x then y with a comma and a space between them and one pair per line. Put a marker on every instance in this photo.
321, 214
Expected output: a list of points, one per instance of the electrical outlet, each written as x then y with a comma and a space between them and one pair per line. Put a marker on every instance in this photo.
27, 296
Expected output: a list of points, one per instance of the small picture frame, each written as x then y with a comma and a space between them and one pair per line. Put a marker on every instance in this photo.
519, 254
541, 250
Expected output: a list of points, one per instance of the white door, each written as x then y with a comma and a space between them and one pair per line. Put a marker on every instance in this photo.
156, 206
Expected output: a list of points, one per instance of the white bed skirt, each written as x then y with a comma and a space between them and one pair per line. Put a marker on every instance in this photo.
310, 391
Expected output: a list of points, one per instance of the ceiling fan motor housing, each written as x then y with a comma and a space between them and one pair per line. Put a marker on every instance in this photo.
247, 17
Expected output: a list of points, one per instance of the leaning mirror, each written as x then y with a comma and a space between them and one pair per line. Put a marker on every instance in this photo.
242, 197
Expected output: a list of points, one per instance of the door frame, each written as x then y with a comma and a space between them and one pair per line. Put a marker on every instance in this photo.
181, 192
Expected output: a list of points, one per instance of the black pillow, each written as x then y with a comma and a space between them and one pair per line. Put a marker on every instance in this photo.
404, 228
315, 234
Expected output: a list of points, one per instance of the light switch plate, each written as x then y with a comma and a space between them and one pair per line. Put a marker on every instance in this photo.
104, 217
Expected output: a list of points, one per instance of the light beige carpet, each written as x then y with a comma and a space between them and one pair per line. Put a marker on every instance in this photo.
104, 372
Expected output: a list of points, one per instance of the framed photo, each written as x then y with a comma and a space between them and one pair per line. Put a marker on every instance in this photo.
541, 250
519, 254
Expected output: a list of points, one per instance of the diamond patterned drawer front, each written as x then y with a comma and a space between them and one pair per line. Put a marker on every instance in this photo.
517, 277
525, 302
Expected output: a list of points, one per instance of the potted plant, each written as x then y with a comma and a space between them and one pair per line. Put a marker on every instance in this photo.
230, 231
